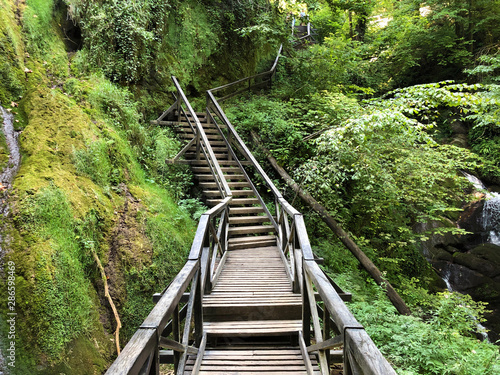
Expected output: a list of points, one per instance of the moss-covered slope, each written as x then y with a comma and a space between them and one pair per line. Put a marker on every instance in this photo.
80, 191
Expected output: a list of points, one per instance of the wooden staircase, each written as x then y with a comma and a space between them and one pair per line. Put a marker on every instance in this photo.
252, 317
249, 226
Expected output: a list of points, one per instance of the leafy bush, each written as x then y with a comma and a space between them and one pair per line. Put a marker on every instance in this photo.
442, 343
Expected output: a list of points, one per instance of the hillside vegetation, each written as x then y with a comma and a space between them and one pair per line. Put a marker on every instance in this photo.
366, 119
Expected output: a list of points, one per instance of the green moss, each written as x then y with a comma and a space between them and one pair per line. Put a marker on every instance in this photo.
12, 52
89, 360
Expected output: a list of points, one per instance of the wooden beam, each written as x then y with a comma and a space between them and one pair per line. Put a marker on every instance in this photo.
327, 344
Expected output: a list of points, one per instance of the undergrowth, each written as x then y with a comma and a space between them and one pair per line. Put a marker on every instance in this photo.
441, 341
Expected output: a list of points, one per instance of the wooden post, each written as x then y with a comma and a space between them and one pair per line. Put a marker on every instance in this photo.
306, 311
326, 332
198, 311
198, 145
176, 333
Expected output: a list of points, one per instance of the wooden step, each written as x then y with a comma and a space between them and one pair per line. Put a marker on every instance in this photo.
212, 193
251, 242
209, 177
236, 193
253, 328
192, 155
232, 170
213, 185
246, 210
203, 162
184, 127
258, 311
251, 229
252, 361
243, 193
236, 220
235, 201
190, 135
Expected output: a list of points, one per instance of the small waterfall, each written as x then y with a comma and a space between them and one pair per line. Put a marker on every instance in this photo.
490, 216
6, 177
446, 274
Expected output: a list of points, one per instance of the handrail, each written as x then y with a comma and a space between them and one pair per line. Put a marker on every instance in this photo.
226, 191
269, 73
360, 353
142, 353
308, 36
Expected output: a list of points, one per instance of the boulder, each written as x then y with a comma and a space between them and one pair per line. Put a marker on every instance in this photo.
478, 264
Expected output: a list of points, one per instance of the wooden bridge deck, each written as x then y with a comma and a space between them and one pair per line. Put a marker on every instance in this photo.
251, 361
252, 317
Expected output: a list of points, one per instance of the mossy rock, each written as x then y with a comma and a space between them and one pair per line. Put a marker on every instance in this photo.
484, 259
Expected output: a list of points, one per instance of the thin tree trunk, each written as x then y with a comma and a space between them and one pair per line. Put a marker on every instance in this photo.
368, 265
351, 31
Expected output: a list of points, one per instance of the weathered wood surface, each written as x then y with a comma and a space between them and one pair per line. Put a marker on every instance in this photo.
253, 286
235, 361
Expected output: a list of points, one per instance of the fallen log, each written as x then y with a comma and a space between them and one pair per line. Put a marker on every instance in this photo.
344, 237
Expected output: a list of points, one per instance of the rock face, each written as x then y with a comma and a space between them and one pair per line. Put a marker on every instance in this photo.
467, 262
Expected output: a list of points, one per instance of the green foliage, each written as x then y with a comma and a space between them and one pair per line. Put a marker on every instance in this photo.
42, 37
170, 231
380, 173
193, 207
122, 37
284, 124
119, 107
176, 177
441, 344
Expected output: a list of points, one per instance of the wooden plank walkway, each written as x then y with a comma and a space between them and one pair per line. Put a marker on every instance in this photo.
251, 361
251, 298
252, 302
254, 287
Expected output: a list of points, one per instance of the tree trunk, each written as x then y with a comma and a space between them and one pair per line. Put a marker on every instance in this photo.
395, 298
351, 31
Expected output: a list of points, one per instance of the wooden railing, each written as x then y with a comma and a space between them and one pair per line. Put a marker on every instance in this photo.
248, 83
333, 325
176, 322
199, 140
307, 37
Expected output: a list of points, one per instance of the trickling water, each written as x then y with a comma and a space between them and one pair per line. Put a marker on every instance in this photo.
6, 177
478, 184
490, 216
446, 274
14, 155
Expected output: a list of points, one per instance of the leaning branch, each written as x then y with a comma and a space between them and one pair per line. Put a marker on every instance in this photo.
395, 298
110, 300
